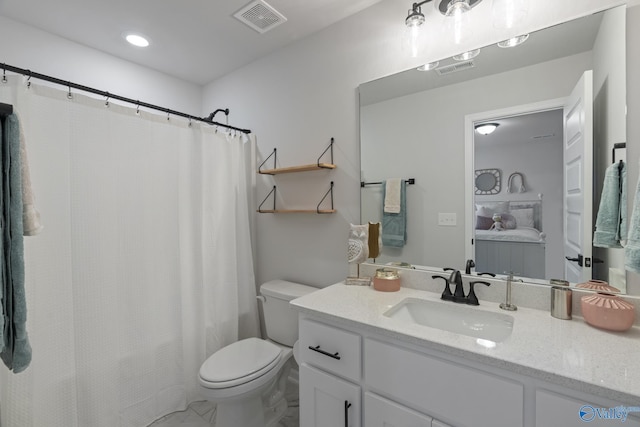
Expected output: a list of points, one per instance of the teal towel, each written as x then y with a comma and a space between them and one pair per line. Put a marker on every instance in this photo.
16, 352
632, 248
611, 222
4, 307
394, 225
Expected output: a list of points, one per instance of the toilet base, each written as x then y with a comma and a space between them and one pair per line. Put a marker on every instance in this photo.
263, 407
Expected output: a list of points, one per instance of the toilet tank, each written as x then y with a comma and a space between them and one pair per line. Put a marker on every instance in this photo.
280, 319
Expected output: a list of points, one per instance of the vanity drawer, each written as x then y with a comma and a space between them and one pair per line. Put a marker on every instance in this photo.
330, 349
457, 394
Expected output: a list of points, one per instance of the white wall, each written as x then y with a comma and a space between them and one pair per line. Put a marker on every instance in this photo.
29, 48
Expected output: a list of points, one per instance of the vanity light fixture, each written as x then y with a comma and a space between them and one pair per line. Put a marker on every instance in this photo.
509, 13
136, 39
429, 66
514, 41
486, 128
467, 55
452, 8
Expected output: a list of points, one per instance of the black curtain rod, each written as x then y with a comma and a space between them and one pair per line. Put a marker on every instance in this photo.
71, 85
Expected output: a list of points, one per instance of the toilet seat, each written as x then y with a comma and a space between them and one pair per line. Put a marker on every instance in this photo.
239, 363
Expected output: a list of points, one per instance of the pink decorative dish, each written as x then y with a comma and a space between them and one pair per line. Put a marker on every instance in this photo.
608, 312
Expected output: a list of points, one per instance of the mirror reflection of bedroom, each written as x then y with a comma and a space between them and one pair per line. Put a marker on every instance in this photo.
519, 223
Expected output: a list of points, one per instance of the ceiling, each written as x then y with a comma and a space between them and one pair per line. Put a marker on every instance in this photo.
534, 128
195, 40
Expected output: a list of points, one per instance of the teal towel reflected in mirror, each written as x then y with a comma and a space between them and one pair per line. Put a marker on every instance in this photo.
611, 222
632, 248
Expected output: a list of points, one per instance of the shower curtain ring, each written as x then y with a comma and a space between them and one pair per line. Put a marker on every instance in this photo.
138, 108
4, 73
106, 102
29, 80
69, 95
168, 118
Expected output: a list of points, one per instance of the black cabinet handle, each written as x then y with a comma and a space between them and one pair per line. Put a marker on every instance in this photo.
347, 405
336, 355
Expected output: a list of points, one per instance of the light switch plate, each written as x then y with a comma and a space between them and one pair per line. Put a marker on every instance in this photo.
447, 219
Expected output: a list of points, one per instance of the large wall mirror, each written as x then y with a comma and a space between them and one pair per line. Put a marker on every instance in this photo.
421, 126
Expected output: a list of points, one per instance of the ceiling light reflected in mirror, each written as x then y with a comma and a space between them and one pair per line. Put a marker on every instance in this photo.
513, 42
467, 55
486, 128
429, 66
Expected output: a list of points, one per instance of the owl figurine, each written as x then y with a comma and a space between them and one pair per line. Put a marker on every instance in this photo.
358, 244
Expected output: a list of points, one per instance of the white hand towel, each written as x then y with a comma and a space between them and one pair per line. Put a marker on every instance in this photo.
392, 196
30, 216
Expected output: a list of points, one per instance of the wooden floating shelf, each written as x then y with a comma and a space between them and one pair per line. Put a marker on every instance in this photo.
303, 168
321, 211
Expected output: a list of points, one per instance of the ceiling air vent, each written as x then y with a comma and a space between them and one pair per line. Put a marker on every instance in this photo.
541, 137
454, 68
260, 16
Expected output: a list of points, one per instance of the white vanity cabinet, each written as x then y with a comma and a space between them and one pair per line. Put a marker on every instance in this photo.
381, 412
331, 394
356, 377
399, 387
444, 390
328, 400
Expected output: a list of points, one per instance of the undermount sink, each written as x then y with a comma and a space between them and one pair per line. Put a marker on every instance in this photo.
450, 317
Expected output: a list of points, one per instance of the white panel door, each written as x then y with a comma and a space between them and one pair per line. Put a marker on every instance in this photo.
381, 412
578, 179
327, 401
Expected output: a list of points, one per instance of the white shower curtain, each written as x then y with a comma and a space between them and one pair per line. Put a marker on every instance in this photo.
144, 266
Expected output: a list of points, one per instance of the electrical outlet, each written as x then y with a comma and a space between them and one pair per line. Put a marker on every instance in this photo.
447, 219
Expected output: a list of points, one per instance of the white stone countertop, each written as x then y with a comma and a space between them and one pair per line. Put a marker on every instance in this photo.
565, 352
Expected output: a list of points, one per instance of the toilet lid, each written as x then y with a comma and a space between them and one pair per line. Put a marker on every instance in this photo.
245, 359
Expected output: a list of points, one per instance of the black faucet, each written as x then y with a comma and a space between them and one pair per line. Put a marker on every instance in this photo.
472, 299
469, 266
458, 295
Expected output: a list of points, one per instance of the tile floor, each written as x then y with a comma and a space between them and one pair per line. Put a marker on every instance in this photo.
202, 414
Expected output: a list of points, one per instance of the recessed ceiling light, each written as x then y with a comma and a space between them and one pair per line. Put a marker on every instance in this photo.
513, 42
136, 40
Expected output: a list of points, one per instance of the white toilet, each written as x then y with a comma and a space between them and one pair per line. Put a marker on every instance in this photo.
246, 379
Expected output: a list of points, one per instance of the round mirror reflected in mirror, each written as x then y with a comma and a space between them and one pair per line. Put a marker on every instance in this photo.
487, 181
